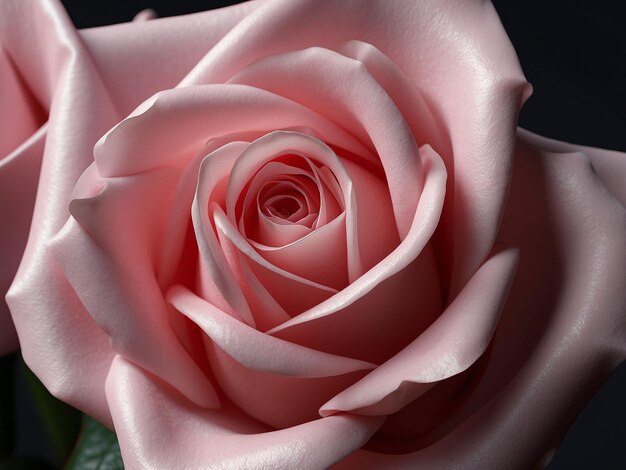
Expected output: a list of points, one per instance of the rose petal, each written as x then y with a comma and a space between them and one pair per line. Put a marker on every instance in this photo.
426, 126
19, 174
136, 60
20, 115
424, 224
110, 244
267, 229
449, 346
219, 272
337, 86
166, 430
292, 292
267, 311
280, 143
319, 256
609, 165
290, 382
562, 327
256, 350
458, 56
50, 57
173, 126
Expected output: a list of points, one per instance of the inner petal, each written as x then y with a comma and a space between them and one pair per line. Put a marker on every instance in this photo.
284, 206
284, 200
327, 248
277, 178
270, 228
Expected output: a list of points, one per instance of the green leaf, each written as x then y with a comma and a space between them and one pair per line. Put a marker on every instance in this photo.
97, 449
61, 421
7, 425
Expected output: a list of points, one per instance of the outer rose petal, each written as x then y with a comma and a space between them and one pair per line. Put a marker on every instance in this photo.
563, 328
19, 173
136, 60
290, 382
21, 149
449, 346
52, 58
19, 114
159, 429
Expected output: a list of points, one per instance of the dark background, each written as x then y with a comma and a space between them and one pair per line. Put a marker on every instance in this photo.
574, 54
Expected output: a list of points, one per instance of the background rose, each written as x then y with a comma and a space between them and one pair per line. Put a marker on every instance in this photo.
38, 71
24, 107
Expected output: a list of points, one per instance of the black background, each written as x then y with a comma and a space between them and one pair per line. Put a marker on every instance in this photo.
574, 54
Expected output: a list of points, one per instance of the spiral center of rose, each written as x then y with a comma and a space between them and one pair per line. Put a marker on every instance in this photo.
289, 197
283, 206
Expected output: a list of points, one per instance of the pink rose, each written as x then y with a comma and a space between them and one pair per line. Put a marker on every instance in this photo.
320, 241
22, 133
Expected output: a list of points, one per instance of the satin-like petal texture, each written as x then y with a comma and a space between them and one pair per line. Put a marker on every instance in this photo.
303, 235
562, 330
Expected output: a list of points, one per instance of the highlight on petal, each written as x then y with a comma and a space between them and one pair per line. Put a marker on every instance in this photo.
469, 77
20, 115
167, 429
59, 341
19, 174
562, 329
140, 58
255, 349
217, 279
107, 250
290, 382
449, 346
172, 126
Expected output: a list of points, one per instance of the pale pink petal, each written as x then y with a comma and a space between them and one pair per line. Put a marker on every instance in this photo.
139, 59
223, 280
19, 174
377, 235
380, 322
59, 341
167, 431
292, 292
280, 143
277, 400
319, 256
341, 88
562, 330
267, 311
426, 126
107, 251
609, 165
303, 292
272, 181
410, 253
220, 278
256, 350
290, 382
173, 126
458, 56
20, 115
449, 346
